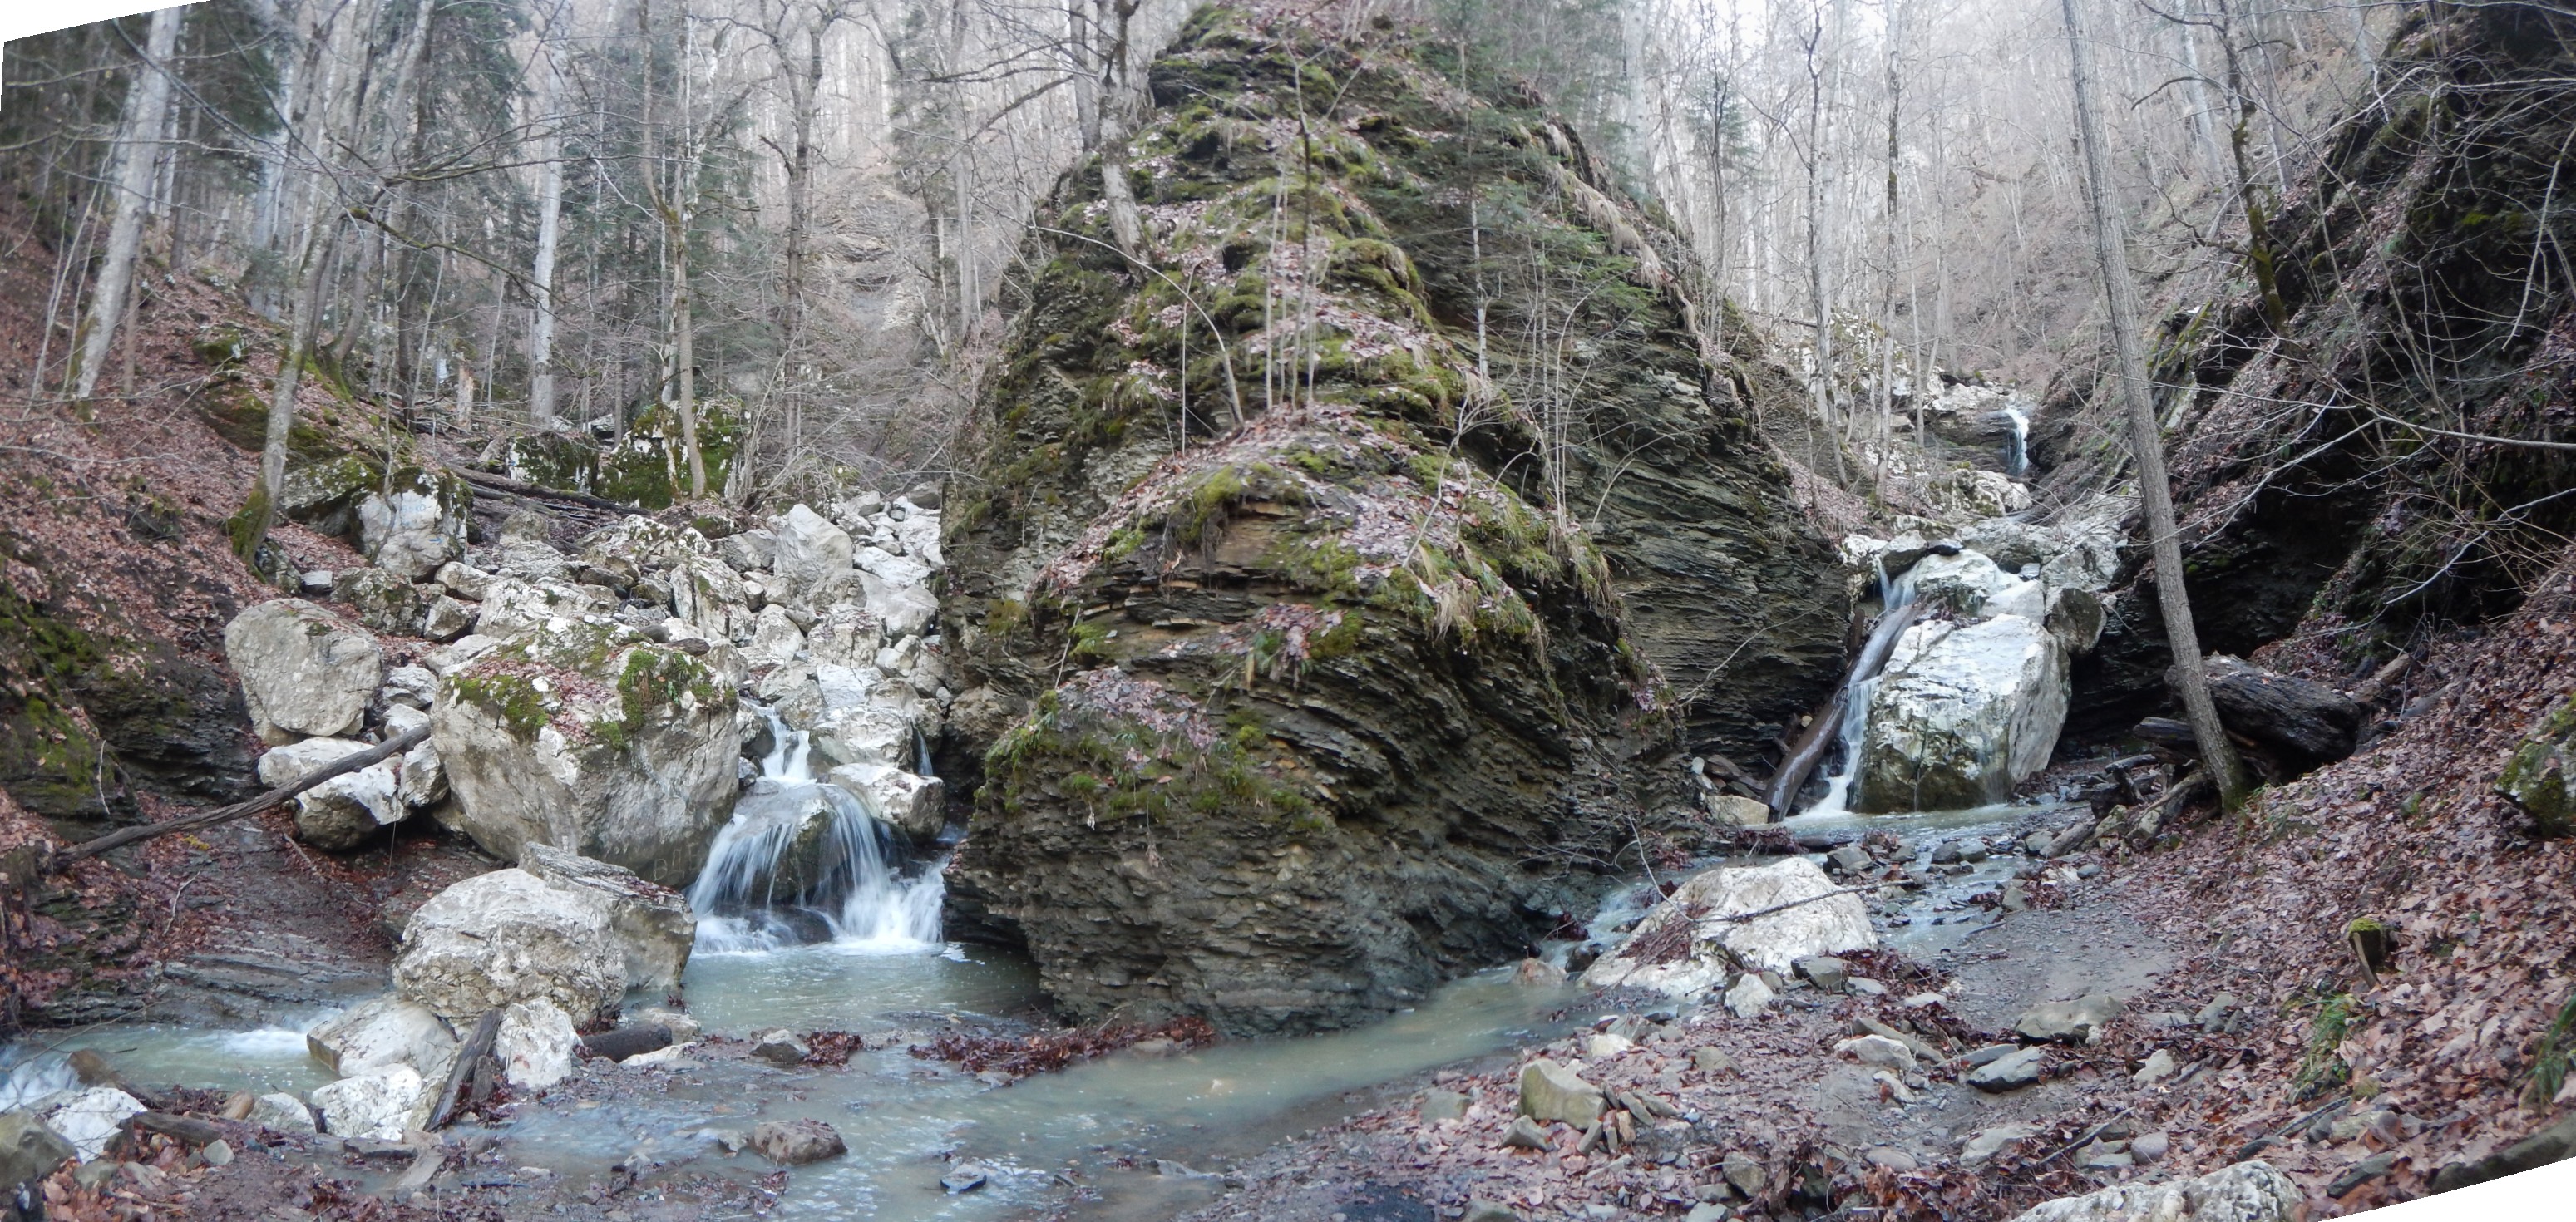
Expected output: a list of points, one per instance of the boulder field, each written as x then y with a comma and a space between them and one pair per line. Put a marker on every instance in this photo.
587, 721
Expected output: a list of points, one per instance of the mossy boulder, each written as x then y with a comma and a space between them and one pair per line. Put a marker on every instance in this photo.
2536, 778
581, 735
1293, 686
325, 495
384, 601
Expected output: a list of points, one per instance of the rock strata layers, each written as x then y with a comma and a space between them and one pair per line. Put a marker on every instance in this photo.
1284, 710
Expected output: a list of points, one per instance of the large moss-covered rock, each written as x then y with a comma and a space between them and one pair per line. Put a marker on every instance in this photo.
2536, 778
1282, 706
582, 735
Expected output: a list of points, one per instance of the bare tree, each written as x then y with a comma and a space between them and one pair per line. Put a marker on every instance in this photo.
541, 271
2120, 296
147, 103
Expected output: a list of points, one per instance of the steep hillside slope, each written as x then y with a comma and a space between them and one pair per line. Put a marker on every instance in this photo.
2332, 454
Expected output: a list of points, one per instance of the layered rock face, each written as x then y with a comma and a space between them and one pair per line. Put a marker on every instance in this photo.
1303, 663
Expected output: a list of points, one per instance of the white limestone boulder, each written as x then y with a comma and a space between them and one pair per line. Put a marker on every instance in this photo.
380, 1103
421, 777
863, 718
282, 1112
304, 671
917, 804
811, 553
1683, 945
388, 1030
1958, 584
652, 923
586, 737
90, 1119
2246, 1192
509, 936
535, 1044
901, 570
636, 546
708, 593
514, 609
347, 812
903, 609
845, 634
288, 764
919, 530
775, 639
415, 523
1962, 715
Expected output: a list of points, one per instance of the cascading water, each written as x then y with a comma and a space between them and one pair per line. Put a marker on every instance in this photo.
806, 861
2018, 462
1896, 598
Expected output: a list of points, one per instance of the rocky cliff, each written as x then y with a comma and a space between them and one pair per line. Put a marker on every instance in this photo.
1313, 633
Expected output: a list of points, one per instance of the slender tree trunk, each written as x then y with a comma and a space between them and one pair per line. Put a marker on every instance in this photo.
137, 157
303, 320
2121, 297
541, 274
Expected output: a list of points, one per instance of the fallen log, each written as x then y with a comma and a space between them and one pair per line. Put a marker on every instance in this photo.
186, 1129
225, 814
2302, 723
503, 483
477, 1046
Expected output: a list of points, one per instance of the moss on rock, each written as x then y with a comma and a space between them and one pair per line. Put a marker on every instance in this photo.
1336, 656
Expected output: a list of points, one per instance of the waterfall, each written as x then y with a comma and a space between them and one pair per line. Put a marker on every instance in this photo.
1897, 613
804, 861
2018, 461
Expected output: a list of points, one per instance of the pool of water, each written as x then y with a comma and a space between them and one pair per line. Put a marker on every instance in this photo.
1105, 1124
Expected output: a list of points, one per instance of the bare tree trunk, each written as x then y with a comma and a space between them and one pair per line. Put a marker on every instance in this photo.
1819, 65
541, 274
137, 149
2121, 297
1125, 221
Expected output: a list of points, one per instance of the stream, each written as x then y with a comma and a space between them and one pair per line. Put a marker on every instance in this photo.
863, 953
838, 930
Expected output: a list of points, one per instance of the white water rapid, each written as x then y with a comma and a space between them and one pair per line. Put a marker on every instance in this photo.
1895, 593
807, 861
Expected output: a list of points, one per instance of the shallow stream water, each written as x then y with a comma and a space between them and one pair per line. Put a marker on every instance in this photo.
1125, 1136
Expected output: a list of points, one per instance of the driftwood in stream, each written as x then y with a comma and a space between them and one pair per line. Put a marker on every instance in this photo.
186, 1129
625, 1042
188, 823
469, 1061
